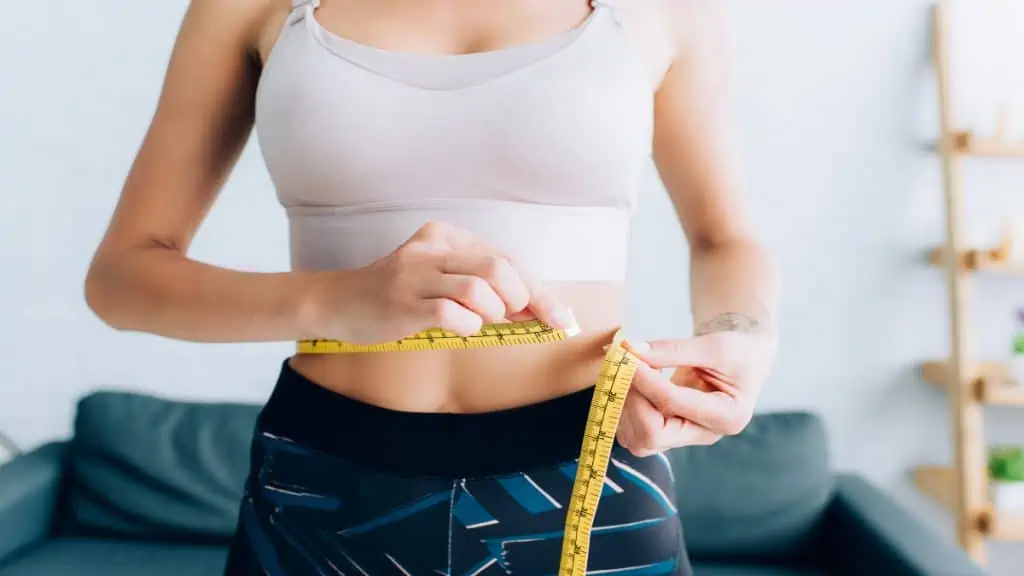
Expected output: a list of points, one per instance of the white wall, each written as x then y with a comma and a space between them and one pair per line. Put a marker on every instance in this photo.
836, 104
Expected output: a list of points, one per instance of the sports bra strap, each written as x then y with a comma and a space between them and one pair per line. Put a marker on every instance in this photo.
302, 9
613, 6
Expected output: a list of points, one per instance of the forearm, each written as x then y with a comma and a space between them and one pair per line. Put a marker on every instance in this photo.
733, 277
160, 291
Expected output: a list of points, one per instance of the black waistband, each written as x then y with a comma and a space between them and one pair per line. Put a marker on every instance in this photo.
426, 444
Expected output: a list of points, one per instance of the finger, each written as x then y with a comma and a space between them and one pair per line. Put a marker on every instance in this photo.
674, 433
692, 434
713, 379
685, 376
686, 434
472, 292
715, 410
640, 425
451, 316
703, 379
522, 316
673, 427
432, 233
548, 307
541, 302
459, 251
717, 374
496, 271
698, 351
626, 433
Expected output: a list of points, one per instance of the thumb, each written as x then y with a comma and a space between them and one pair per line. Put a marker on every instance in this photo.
672, 353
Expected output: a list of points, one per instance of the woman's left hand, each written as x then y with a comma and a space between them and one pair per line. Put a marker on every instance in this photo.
712, 393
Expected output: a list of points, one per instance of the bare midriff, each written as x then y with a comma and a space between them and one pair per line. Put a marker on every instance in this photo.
480, 380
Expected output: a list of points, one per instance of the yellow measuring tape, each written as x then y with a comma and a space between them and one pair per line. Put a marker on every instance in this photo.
613, 381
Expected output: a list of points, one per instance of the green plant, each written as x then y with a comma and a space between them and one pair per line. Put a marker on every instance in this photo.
1018, 344
1006, 464
1018, 341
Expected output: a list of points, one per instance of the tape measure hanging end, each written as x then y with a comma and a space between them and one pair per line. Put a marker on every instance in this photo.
613, 383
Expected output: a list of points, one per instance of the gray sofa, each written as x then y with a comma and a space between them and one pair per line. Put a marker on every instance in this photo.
149, 486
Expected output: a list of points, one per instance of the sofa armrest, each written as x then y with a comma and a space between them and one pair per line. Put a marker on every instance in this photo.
29, 491
869, 533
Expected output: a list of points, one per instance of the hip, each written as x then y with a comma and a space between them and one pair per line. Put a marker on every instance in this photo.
340, 485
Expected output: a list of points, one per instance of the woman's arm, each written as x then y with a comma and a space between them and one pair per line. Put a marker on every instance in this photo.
719, 372
140, 278
734, 281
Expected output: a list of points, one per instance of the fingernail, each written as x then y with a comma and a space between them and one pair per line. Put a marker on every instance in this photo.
567, 321
636, 344
640, 346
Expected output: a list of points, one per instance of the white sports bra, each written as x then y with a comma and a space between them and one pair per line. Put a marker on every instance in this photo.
538, 149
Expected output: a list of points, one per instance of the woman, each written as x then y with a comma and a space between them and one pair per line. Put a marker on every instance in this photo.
449, 163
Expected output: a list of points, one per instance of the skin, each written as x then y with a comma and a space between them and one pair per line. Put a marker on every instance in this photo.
142, 279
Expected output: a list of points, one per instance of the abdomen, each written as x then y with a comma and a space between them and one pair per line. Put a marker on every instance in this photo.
480, 380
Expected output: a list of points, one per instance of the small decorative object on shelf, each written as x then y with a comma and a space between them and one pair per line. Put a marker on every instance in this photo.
1016, 368
1008, 249
1006, 476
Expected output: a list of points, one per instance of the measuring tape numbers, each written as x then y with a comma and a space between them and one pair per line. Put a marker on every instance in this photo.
489, 336
613, 382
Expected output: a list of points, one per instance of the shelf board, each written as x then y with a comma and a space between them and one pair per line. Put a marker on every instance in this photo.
978, 260
1007, 527
967, 144
937, 483
991, 383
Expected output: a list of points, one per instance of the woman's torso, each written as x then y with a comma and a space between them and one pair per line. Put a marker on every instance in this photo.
526, 123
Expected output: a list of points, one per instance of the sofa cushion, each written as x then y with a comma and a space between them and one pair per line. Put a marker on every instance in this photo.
145, 466
29, 492
88, 557
751, 570
759, 496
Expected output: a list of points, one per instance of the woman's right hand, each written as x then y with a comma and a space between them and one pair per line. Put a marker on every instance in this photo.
441, 277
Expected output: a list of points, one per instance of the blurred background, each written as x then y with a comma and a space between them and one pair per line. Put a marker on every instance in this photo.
837, 103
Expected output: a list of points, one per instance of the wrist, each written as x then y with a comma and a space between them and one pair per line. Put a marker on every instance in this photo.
760, 324
312, 298
727, 322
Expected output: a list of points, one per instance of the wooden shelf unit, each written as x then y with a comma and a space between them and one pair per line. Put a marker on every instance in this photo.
970, 385
987, 384
974, 260
938, 483
967, 144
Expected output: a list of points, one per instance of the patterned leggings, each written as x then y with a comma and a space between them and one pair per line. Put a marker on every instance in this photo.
310, 511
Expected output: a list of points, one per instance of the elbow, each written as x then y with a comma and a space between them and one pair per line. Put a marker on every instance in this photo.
712, 233
720, 241
101, 294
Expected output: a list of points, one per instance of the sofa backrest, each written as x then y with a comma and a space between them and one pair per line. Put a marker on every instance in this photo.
146, 467
760, 496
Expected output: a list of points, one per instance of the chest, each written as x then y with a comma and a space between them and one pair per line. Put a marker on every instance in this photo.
562, 122
449, 26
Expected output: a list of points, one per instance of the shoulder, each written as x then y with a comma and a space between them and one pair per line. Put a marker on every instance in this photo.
250, 21
668, 31
696, 25
651, 25
236, 11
